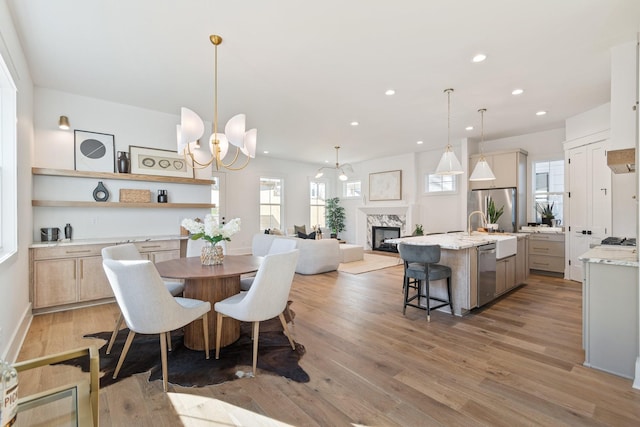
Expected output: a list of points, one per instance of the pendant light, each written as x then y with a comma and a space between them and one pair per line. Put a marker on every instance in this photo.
482, 171
449, 164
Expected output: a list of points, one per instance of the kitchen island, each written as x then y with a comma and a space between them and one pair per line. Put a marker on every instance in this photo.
610, 323
459, 252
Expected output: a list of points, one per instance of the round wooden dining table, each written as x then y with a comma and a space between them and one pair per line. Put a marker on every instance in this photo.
211, 283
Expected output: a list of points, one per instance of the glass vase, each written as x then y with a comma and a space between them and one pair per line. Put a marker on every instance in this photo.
211, 254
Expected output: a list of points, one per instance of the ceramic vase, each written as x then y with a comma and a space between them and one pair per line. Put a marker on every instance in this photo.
123, 162
211, 254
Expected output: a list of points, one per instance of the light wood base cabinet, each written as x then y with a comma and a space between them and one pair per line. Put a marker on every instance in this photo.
546, 252
71, 276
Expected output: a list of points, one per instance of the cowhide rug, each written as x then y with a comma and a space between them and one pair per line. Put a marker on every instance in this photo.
189, 368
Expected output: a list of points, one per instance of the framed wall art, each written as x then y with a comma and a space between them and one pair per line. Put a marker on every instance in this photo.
154, 161
93, 151
385, 185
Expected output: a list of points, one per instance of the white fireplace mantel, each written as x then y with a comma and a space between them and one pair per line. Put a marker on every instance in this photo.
384, 210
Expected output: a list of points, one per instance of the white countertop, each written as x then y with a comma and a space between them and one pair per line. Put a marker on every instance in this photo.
550, 230
104, 240
455, 241
615, 255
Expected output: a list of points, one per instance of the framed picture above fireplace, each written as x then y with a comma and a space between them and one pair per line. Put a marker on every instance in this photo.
385, 185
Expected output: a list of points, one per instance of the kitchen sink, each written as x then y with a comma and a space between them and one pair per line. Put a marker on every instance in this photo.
505, 245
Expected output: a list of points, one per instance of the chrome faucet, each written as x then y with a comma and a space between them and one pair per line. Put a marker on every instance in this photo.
484, 219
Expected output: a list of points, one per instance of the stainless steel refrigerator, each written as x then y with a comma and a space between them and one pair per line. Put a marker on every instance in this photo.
510, 221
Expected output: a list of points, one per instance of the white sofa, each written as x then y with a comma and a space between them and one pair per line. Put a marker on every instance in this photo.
316, 256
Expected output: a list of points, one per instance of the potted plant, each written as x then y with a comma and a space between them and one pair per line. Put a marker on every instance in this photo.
419, 231
546, 212
335, 216
493, 214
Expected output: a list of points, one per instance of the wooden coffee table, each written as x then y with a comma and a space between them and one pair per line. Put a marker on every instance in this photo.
211, 283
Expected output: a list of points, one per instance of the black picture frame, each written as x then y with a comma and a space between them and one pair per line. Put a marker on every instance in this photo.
94, 151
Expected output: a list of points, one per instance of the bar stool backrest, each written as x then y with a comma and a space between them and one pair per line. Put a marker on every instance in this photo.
427, 254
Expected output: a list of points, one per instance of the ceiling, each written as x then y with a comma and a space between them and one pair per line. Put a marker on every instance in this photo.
303, 71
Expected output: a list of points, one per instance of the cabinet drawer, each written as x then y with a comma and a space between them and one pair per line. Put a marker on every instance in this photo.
537, 247
158, 245
546, 237
67, 251
546, 263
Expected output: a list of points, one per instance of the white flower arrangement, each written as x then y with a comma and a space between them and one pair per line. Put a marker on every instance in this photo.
210, 230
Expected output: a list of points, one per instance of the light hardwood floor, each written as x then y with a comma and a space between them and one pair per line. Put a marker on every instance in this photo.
515, 362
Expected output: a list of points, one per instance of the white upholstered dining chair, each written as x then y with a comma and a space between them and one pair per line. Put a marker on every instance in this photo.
128, 251
149, 308
266, 299
278, 246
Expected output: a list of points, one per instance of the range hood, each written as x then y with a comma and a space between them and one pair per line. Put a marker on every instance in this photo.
622, 161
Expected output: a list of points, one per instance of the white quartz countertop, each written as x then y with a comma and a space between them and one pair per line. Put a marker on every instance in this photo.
548, 230
104, 240
455, 241
616, 255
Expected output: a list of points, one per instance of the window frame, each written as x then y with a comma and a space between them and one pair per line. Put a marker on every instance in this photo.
316, 206
281, 204
8, 164
559, 194
426, 181
344, 188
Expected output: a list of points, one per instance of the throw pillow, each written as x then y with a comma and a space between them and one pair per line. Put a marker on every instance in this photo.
276, 231
307, 236
299, 229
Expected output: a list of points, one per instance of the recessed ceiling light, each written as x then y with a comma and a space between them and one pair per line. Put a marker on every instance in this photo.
326, 161
419, 142
354, 123
390, 92
541, 113
266, 151
469, 128
517, 92
479, 57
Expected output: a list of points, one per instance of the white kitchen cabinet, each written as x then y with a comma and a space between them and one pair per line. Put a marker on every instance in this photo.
509, 168
589, 201
71, 276
610, 324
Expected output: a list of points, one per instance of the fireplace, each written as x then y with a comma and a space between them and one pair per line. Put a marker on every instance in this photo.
380, 234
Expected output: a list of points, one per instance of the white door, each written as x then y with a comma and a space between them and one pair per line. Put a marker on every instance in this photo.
589, 201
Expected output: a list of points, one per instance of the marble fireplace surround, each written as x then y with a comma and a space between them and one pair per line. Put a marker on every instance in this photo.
384, 217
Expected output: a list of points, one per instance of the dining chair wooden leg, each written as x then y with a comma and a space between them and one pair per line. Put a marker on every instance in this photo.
125, 349
218, 333
256, 333
286, 330
115, 332
205, 328
163, 360
169, 340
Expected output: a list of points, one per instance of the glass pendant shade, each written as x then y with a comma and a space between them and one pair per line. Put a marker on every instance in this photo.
250, 142
482, 171
63, 123
223, 144
449, 164
191, 128
319, 174
235, 129
342, 176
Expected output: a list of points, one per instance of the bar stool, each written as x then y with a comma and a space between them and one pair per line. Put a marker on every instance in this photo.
420, 264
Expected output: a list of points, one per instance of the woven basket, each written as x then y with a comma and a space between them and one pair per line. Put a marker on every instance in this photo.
135, 196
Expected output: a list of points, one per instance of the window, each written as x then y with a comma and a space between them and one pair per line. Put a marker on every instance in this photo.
8, 165
440, 184
270, 203
351, 189
317, 193
548, 184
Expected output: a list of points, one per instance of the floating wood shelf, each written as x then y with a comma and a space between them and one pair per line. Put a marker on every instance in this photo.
119, 176
74, 204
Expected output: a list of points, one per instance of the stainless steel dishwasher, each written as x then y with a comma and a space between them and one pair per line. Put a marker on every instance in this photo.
486, 273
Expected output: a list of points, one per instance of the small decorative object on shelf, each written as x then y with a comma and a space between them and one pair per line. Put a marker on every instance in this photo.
67, 231
162, 196
214, 233
101, 194
123, 162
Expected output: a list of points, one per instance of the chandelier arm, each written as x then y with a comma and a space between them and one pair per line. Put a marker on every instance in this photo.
235, 158
191, 159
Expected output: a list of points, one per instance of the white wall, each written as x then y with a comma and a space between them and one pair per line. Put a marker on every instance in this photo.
15, 314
